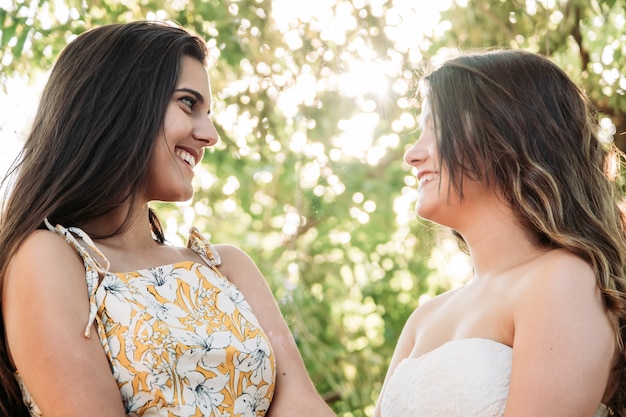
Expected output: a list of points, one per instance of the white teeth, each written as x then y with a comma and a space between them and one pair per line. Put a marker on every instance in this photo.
426, 178
186, 156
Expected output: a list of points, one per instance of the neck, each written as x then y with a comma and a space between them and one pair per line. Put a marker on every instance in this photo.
497, 242
136, 233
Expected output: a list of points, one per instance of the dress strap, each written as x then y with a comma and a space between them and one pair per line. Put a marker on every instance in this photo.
93, 269
199, 244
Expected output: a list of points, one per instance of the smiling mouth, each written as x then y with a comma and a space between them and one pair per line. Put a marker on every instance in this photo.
186, 156
426, 178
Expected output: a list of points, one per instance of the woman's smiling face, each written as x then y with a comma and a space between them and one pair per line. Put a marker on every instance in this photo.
187, 130
438, 200
424, 158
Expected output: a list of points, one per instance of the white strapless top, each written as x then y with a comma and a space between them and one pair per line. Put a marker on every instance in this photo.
461, 378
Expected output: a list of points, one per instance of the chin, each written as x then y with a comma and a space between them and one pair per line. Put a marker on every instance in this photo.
185, 197
422, 212
184, 193
426, 213
178, 197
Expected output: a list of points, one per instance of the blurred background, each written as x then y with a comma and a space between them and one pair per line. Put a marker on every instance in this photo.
314, 102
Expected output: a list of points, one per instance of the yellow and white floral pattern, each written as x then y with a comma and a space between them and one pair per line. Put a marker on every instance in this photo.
181, 339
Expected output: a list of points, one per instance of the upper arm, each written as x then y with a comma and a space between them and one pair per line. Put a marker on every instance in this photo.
294, 393
563, 344
45, 308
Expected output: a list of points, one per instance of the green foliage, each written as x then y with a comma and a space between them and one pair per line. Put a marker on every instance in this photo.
585, 37
308, 177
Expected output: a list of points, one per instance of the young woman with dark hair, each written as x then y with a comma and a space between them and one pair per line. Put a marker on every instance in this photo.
100, 315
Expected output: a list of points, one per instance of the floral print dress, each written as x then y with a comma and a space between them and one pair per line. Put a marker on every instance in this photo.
181, 339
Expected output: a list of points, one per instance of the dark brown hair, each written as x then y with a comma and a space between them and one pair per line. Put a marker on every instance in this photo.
91, 140
516, 120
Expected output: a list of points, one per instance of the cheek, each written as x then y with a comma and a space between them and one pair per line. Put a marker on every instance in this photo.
176, 122
160, 151
162, 161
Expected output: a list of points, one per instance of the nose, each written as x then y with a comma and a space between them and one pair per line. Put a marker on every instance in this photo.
205, 131
418, 153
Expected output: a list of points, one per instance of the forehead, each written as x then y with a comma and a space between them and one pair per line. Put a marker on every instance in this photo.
194, 75
426, 112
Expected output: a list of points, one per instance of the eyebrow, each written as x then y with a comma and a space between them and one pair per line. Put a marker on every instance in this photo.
194, 93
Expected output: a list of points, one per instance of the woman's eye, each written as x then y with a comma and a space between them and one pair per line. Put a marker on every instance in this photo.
189, 102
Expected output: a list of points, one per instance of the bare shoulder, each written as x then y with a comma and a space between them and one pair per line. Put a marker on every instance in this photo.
425, 312
45, 266
42, 239
239, 267
43, 250
234, 259
49, 273
435, 303
563, 286
563, 258
229, 253
560, 272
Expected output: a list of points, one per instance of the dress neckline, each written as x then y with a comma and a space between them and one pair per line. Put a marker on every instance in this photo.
169, 265
460, 340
